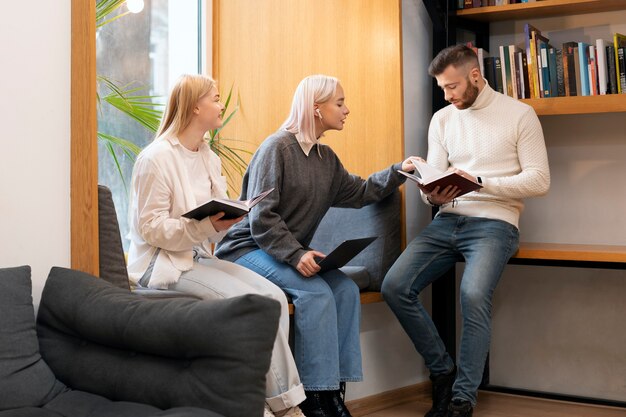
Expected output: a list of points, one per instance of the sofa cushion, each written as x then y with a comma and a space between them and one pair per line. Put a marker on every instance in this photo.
382, 219
25, 379
211, 354
82, 404
111, 252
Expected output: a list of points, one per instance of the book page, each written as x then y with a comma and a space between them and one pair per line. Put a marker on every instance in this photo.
426, 171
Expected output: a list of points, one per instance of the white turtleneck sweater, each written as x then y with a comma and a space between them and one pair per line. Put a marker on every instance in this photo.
498, 139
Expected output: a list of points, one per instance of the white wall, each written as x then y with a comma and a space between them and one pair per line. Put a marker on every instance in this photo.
35, 142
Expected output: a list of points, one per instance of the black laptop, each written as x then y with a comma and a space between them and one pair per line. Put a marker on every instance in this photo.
343, 253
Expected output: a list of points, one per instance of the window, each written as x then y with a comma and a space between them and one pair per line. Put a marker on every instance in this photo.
146, 50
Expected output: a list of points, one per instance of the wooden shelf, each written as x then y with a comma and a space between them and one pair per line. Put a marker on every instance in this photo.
610, 103
538, 9
572, 252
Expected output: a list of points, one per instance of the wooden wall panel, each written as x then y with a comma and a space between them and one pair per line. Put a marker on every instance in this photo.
84, 146
265, 47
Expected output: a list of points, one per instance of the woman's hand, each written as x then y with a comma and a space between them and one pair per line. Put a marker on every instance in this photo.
307, 266
407, 165
220, 225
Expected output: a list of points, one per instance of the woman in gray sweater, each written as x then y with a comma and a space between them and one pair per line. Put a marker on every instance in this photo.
274, 239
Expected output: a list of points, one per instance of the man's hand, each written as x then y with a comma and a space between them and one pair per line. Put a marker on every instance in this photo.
307, 266
220, 225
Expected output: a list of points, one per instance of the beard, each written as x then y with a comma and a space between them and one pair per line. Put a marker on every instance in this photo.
469, 96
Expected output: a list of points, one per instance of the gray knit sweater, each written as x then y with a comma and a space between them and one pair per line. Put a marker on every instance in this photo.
284, 223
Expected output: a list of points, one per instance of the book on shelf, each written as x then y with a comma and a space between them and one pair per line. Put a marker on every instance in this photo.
531, 59
543, 44
619, 41
231, 208
569, 69
343, 253
621, 62
430, 178
516, 74
593, 71
603, 73
552, 70
583, 63
505, 60
560, 81
491, 66
611, 65
524, 81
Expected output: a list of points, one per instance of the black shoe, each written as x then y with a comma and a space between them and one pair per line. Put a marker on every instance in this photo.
335, 402
316, 404
460, 408
442, 393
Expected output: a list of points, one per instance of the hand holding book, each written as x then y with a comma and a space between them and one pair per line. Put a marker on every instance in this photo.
444, 185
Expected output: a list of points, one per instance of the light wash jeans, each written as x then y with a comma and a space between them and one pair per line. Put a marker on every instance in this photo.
326, 321
214, 279
486, 246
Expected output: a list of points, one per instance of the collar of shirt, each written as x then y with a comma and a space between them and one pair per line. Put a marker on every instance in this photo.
306, 147
484, 98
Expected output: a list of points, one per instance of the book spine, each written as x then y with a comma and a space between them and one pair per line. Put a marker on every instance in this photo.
593, 71
560, 80
603, 79
525, 76
503, 69
583, 63
577, 71
468, 4
619, 40
569, 68
552, 71
498, 64
612, 68
545, 72
622, 68
490, 68
514, 73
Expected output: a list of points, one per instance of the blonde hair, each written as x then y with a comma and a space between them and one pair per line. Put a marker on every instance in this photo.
189, 88
314, 89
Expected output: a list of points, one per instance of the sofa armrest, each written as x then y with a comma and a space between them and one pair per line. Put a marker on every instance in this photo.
212, 354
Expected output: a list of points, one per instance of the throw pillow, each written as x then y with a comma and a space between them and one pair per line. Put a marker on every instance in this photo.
25, 379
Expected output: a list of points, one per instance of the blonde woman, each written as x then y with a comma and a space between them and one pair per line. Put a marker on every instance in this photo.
308, 178
174, 174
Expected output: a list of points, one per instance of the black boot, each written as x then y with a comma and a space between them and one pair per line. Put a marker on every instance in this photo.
442, 393
460, 408
316, 404
335, 401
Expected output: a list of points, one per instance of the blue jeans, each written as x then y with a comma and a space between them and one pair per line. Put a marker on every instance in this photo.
326, 321
486, 246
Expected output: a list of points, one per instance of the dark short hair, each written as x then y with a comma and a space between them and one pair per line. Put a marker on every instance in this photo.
456, 55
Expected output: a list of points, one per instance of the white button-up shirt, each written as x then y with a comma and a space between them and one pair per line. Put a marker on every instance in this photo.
161, 192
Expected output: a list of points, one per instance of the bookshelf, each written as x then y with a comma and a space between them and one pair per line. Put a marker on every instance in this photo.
446, 22
610, 103
545, 8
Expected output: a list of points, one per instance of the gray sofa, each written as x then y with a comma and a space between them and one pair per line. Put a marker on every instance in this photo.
382, 219
96, 350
